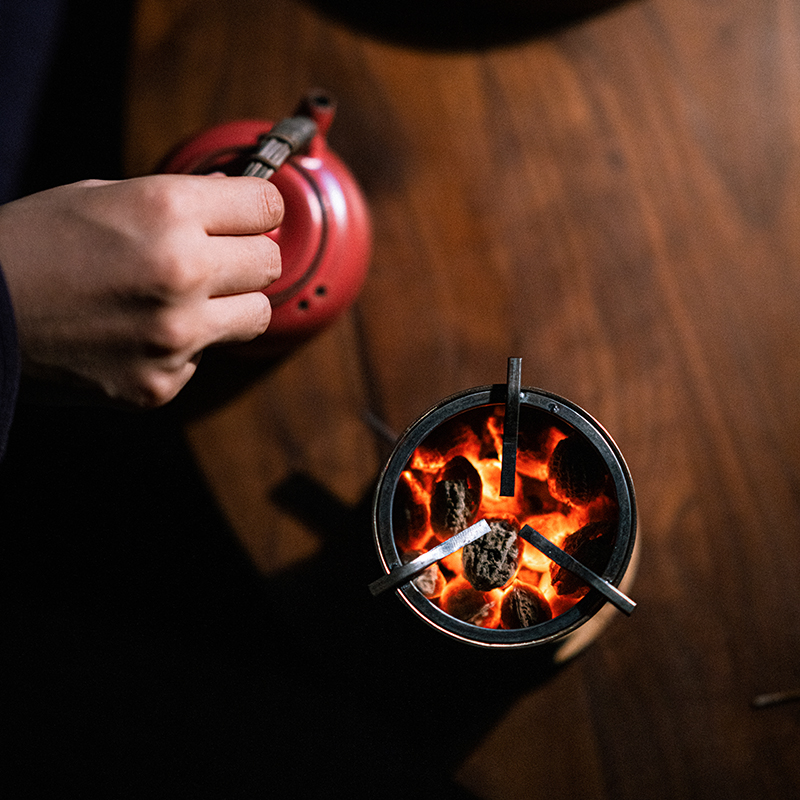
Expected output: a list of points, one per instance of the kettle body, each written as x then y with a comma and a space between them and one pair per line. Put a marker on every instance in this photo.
325, 237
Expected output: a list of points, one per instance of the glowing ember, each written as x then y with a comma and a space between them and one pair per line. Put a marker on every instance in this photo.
524, 605
563, 490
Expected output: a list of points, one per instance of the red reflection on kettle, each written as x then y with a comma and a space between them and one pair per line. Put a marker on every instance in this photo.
325, 237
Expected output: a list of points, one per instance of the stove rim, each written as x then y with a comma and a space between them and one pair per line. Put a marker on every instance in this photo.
561, 409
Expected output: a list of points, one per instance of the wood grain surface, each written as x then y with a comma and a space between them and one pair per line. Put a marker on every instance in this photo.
617, 202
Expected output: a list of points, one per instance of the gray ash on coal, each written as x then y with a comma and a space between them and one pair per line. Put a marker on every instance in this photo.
524, 606
430, 582
455, 498
491, 561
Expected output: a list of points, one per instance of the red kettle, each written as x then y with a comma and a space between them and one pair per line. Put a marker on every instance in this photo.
325, 237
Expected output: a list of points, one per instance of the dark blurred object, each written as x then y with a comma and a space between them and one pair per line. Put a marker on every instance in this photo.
78, 127
27, 37
459, 24
144, 656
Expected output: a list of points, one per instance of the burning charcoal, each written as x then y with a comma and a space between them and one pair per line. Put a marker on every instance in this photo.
461, 601
591, 545
455, 498
524, 606
578, 470
431, 582
409, 516
491, 561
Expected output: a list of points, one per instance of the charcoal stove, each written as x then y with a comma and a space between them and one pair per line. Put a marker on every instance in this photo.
571, 481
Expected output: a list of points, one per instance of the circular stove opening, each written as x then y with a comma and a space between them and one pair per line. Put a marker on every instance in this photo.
571, 485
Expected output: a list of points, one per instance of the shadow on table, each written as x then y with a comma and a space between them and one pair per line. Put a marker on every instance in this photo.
144, 655
459, 24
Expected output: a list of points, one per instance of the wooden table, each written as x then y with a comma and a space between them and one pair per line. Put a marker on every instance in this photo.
618, 203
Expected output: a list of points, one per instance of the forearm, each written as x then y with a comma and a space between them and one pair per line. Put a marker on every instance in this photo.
118, 286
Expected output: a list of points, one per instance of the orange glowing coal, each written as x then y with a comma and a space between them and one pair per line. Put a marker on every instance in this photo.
563, 489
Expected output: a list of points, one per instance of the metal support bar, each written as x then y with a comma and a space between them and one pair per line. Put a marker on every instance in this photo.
565, 560
401, 575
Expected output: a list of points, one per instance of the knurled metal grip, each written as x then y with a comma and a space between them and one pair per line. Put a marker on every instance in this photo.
274, 147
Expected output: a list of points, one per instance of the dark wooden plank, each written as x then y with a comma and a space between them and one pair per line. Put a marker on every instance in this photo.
616, 203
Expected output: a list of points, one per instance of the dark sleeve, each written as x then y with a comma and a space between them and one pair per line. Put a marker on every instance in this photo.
9, 364
28, 30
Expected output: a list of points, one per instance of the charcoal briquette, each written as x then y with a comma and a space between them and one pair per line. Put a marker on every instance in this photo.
578, 470
491, 561
455, 498
591, 545
524, 606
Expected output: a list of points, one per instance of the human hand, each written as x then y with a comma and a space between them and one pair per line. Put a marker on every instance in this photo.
118, 286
